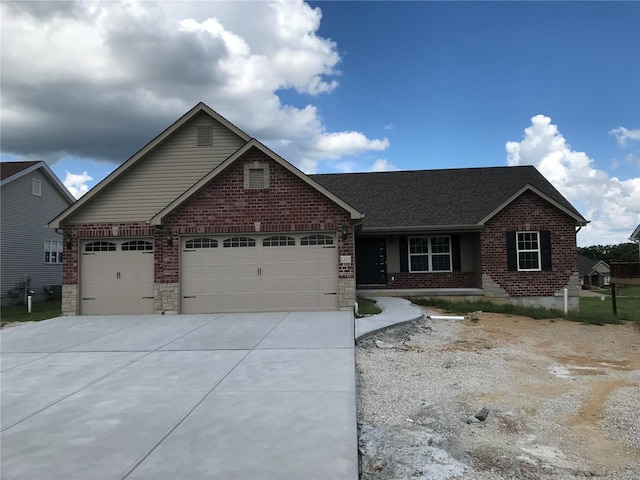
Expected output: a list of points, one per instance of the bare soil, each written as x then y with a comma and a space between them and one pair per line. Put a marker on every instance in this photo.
549, 386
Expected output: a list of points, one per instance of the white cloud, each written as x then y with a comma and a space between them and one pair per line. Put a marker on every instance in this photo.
623, 135
382, 165
76, 183
111, 75
612, 205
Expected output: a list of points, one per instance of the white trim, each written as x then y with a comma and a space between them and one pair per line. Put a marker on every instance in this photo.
36, 187
538, 251
429, 253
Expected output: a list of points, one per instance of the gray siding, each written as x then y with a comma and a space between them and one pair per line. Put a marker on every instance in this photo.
23, 231
157, 180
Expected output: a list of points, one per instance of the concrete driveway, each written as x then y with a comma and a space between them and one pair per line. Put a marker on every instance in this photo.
233, 396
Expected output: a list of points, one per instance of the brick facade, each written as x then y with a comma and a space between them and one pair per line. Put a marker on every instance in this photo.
530, 212
225, 206
404, 280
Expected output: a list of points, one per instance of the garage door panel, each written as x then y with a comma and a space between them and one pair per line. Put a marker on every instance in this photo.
116, 276
260, 277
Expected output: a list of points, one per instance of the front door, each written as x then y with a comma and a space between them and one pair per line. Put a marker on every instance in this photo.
371, 261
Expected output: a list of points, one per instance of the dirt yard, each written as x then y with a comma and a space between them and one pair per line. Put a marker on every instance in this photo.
561, 399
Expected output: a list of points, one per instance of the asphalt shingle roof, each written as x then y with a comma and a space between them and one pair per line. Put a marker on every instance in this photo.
448, 197
8, 169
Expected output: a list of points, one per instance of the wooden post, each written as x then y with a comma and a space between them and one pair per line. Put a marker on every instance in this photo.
613, 302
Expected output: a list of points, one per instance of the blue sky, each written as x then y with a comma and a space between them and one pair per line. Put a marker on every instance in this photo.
341, 86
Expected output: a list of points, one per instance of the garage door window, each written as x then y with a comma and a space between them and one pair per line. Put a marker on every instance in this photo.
316, 240
137, 245
279, 241
100, 247
203, 242
239, 242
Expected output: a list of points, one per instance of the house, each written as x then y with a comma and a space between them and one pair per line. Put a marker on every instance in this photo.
205, 218
635, 238
593, 273
31, 253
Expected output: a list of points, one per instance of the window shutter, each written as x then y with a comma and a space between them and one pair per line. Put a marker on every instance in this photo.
455, 253
545, 249
512, 256
404, 254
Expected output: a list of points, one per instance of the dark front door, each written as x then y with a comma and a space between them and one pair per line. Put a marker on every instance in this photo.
371, 261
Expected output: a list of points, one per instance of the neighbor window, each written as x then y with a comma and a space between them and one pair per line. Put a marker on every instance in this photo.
430, 254
52, 251
36, 187
528, 251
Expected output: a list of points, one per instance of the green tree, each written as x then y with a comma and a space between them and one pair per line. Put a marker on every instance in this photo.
623, 252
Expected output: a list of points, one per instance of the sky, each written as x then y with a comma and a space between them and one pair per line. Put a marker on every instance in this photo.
339, 87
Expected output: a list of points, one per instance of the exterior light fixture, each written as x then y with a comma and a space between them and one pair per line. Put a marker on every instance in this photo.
68, 240
344, 230
169, 235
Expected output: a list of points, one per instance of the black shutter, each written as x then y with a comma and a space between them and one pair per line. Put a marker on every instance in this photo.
455, 253
512, 255
404, 254
545, 249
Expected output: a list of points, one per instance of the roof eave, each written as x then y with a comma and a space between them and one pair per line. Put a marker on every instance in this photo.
424, 228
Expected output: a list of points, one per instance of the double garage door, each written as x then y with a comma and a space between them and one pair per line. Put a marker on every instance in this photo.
222, 273
273, 272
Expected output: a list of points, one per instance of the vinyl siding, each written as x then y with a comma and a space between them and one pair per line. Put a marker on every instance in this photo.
23, 232
167, 172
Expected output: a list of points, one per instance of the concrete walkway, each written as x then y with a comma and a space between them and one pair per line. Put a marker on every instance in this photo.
394, 311
235, 396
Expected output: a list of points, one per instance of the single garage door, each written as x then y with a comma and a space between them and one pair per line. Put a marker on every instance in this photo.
116, 277
275, 272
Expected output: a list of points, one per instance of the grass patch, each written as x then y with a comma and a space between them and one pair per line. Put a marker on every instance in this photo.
39, 311
366, 306
592, 309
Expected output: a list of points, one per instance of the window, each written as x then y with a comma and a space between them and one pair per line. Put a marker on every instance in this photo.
137, 245
100, 247
36, 187
239, 242
205, 136
430, 254
278, 241
311, 240
256, 176
52, 251
203, 242
529, 251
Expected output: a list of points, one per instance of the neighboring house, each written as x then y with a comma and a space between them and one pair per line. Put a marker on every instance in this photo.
593, 273
635, 238
205, 218
31, 253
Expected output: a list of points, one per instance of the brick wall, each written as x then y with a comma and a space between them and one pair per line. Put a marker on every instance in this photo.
530, 212
430, 280
224, 206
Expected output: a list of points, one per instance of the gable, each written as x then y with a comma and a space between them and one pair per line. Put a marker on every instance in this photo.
163, 174
287, 203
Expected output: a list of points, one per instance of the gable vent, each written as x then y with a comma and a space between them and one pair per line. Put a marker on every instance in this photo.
205, 135
256, 175
256, 178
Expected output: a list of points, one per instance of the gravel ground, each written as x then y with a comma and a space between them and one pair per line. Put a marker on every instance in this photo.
561, 400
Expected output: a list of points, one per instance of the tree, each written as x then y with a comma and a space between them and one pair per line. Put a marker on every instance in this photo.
623, 252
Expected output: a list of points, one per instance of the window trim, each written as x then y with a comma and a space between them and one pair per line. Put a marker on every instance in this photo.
36, 187
48, 250
429, 254
537, 250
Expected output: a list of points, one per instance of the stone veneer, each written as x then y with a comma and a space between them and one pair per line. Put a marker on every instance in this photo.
346, 293
166, 298
70, 300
